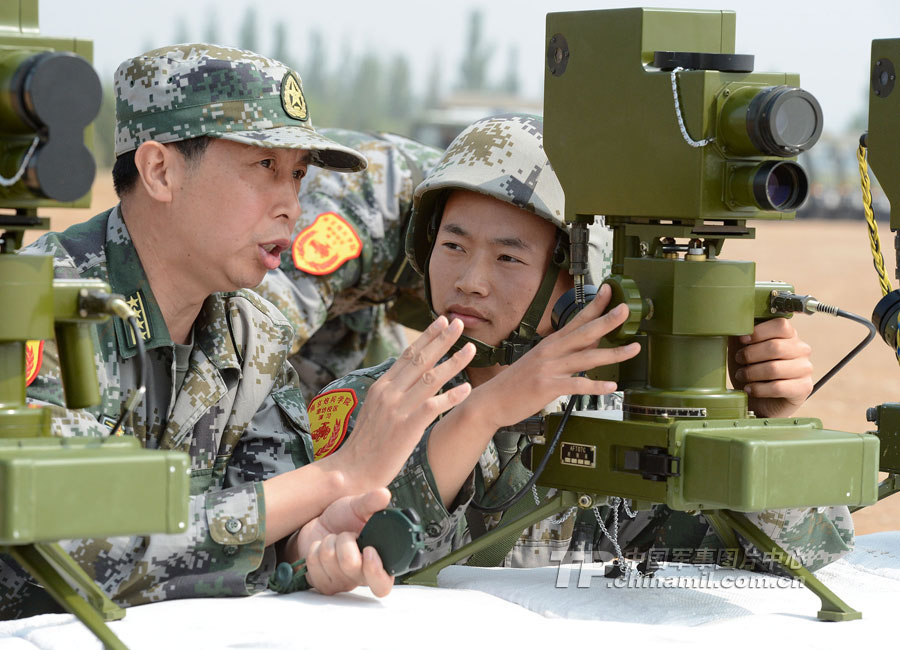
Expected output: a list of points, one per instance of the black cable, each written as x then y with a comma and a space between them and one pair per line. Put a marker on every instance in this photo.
540, 468
141, 361
843, 362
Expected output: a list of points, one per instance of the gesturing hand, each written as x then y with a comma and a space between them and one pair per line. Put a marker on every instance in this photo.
549, 370
400, 405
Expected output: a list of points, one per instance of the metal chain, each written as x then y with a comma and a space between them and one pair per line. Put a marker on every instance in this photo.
680, 118
555, 521
627, 567
562, 518
6, 182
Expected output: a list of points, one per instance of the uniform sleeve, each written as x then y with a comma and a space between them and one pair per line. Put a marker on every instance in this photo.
414, 486
223, 553
814, 537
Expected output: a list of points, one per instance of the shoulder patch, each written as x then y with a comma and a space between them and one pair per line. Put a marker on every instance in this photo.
321, 248
34, 356
329, 415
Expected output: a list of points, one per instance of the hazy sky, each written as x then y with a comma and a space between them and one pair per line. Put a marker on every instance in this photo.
827, 41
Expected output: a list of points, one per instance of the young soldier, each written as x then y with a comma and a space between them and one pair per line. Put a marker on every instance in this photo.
212, 143
487, 227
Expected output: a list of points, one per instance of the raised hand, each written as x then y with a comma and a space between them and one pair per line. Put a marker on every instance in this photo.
524, 388
400, 405
549, 370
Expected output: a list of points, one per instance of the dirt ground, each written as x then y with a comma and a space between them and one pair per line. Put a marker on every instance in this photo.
827, 259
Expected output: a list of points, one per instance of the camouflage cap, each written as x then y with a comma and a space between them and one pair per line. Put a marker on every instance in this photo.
501, 156
187, 91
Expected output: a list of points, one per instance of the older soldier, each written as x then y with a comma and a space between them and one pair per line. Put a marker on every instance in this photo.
211, 145
345, 279
487, 227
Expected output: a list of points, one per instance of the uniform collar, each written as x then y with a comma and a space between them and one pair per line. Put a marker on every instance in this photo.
213, 333
126, 277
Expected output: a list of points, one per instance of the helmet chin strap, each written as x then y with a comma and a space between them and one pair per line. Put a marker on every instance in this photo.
525, 336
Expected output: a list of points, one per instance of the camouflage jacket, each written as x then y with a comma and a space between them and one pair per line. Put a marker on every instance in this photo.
332, 285
238, 414
814, 536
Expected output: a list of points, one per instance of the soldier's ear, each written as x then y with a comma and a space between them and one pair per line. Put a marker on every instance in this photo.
158, 167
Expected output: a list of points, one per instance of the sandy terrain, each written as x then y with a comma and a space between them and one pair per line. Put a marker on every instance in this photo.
828, 259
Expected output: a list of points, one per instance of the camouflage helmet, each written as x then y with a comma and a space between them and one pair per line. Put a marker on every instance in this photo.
500, 156
187, 91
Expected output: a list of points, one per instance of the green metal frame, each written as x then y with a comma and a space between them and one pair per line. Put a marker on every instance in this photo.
427, 577
833, 608
49, 564
726, 523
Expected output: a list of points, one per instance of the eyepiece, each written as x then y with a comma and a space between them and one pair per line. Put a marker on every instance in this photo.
566, 307
884, 317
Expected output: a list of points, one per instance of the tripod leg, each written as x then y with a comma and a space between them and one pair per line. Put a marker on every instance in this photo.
42, 560
833, 608
428, 575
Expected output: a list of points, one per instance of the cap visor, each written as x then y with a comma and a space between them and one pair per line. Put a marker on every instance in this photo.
325, 153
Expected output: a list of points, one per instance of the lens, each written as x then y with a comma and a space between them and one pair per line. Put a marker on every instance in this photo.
777, 190
784, 121
795, 122
780, 186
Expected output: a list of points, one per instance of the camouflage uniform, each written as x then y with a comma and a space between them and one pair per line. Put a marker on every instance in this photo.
238, 412
502, 157
240, 416
341, 320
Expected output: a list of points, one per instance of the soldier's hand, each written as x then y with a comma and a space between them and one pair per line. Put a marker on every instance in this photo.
772, 366
334, 562
400, 405
548, 371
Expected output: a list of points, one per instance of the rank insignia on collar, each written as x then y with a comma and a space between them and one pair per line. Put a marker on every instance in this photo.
329, 415
324, 246
292, 98
136, 302
34, 356
109, 422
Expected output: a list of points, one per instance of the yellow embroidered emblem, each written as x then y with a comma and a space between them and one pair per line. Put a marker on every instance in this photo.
136, 302
292, 97
329, 415
322, 247
34, 356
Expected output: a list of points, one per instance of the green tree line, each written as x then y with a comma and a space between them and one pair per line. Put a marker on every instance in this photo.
365, 91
